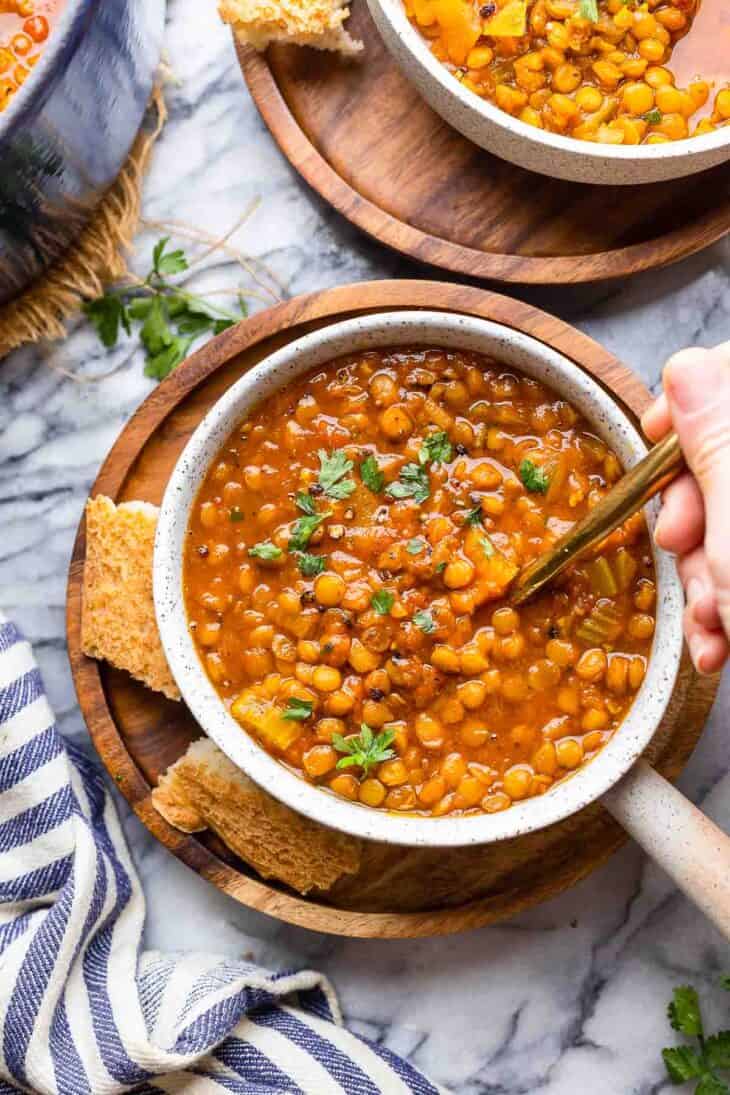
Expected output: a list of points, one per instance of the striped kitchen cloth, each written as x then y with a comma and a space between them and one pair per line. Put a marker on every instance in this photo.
81, 1009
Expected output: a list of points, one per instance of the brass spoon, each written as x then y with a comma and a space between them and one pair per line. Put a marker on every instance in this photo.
661, 464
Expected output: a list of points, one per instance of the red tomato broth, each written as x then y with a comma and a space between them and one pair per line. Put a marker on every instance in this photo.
404, 626
25, 26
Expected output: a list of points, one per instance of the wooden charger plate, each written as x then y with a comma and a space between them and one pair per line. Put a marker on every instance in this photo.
138, 733
363, 138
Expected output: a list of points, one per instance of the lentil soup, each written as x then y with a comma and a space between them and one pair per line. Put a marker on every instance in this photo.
596, 70
24, 29
345, 572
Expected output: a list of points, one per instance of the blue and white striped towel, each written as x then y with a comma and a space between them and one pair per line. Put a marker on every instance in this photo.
81, 1010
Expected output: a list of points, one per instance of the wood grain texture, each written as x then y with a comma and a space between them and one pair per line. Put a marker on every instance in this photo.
362, 137
138, 733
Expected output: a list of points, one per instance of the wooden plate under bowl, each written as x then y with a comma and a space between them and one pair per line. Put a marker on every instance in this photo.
363, 138
138, 733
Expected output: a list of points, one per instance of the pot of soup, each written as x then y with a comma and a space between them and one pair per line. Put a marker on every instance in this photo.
75, 78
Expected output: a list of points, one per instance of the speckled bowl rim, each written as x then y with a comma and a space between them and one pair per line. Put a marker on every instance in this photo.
688, 147
412, 328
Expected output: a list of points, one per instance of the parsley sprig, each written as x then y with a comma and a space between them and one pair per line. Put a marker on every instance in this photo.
703, 1060
435, 449
333, 470
171, 318
534, 477
364, 749
413, 482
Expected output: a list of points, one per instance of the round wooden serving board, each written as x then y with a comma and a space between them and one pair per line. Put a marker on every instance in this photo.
362, 137
138, 733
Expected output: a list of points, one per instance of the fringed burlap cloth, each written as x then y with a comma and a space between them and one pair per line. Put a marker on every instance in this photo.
96, 259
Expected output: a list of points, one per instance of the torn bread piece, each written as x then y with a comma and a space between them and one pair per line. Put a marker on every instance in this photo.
205, 790
317, 23
117, 615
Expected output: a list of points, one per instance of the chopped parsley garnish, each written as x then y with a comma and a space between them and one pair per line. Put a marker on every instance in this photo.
701, 1061
332, 472
297, 709
415, 546
487, 547
364, 749
653, 117
436, 449
440, 568
311, 565
371, 474
425, 621
236, 514
305, 503
474, 516
413, 483
534, 478
382, 601
303, 529
265, 550
589, 10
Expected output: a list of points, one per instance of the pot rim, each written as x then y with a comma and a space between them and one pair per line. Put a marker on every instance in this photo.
683, 150
406, 328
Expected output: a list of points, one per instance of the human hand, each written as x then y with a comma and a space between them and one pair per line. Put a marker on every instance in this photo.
694, 522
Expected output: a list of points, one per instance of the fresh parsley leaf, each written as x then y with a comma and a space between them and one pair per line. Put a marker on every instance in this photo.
534, 478
440, 568
139, 307
683, 1063
311, 565
474, 516
306, 503
371, 474
161, 364
413, 482
220, 325
425, 621
166, 263
725, 982
107, 314
364, 749
194, 324
717, 1049
436, 449
332, 472
236, 514
487, 547
653, 117
265, 550
415, 546
684, 1012
382, 601
589, 10
297, 709
156, 333
303, 528
710, 1085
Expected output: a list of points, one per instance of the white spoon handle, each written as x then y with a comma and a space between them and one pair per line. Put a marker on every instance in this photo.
686, 844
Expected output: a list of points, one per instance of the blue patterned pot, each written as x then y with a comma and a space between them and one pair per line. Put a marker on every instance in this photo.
67, 132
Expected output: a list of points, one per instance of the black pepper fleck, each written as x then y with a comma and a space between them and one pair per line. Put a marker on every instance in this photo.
376, 694
203, 551
486, 10
460, 449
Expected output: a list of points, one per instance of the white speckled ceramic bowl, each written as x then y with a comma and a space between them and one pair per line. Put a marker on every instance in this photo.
536, 149
405, 329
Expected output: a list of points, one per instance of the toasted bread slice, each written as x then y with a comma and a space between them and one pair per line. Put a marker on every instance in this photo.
117, 615
205, 790
317, 23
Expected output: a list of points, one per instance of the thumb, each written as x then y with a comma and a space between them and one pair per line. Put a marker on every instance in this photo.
697, 385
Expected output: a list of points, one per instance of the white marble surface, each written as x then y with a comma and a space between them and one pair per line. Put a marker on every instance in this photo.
565, 999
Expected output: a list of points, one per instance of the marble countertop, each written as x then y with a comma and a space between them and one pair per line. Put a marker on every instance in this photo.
567, 998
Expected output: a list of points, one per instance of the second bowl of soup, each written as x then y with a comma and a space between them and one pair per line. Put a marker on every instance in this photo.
332, 575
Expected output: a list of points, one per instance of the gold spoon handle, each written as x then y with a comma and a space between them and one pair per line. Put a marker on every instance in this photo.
650, 475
